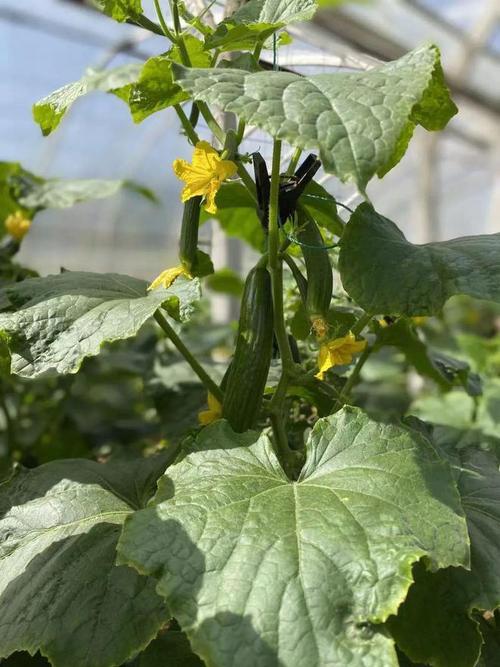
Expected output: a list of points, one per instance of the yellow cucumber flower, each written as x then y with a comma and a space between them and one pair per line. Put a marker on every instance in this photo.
17, 225
167, 277
213, 413
338, 352
205, 175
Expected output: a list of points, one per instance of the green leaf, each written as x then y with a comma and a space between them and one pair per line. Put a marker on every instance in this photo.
60, 589
261, 570
49, 111
322, 207
198, 57
433, 625
490, 655
61, 193
322, 395
120, 10
170, 649
484, 353
155, 88
21, 190
384, 273
202, 265
60, 320
23, 659
343, 114
231, 36
455, 409
245, 61
276, 12
478, 481
178, 393
256, 21
225, 281
445, 371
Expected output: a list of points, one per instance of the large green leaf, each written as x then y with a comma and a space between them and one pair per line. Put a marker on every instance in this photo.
61, 193
21, 190
361, 122
120, 10
59, 320
322, 207
60, 589
444, 370
277, 12
49, 111
384, 273
257, 20
490, 655
171, 649
261, 570
433, 625
225, 281
478, 480
155, 88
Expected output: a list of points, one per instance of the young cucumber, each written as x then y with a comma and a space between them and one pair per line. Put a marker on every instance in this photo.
319, 274
247, 377
188, 244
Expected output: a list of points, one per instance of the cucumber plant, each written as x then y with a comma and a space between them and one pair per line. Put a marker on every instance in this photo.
350, 541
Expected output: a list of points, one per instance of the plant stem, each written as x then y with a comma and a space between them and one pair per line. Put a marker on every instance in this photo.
212, 123
186, 124
147, 24
275, 262
257, 50
361, 323
174, 9
285, 454
294, 161
192, 361
210, 120
240, 132
247, 181
214, 126
353, 377
275, 268
166, 30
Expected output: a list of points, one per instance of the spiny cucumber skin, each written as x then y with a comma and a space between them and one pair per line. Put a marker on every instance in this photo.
247, 377
319, 271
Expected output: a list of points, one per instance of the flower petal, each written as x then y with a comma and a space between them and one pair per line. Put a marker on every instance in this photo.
226, 169
167, 277
213, 413
338, 352
210, 206
204, 176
